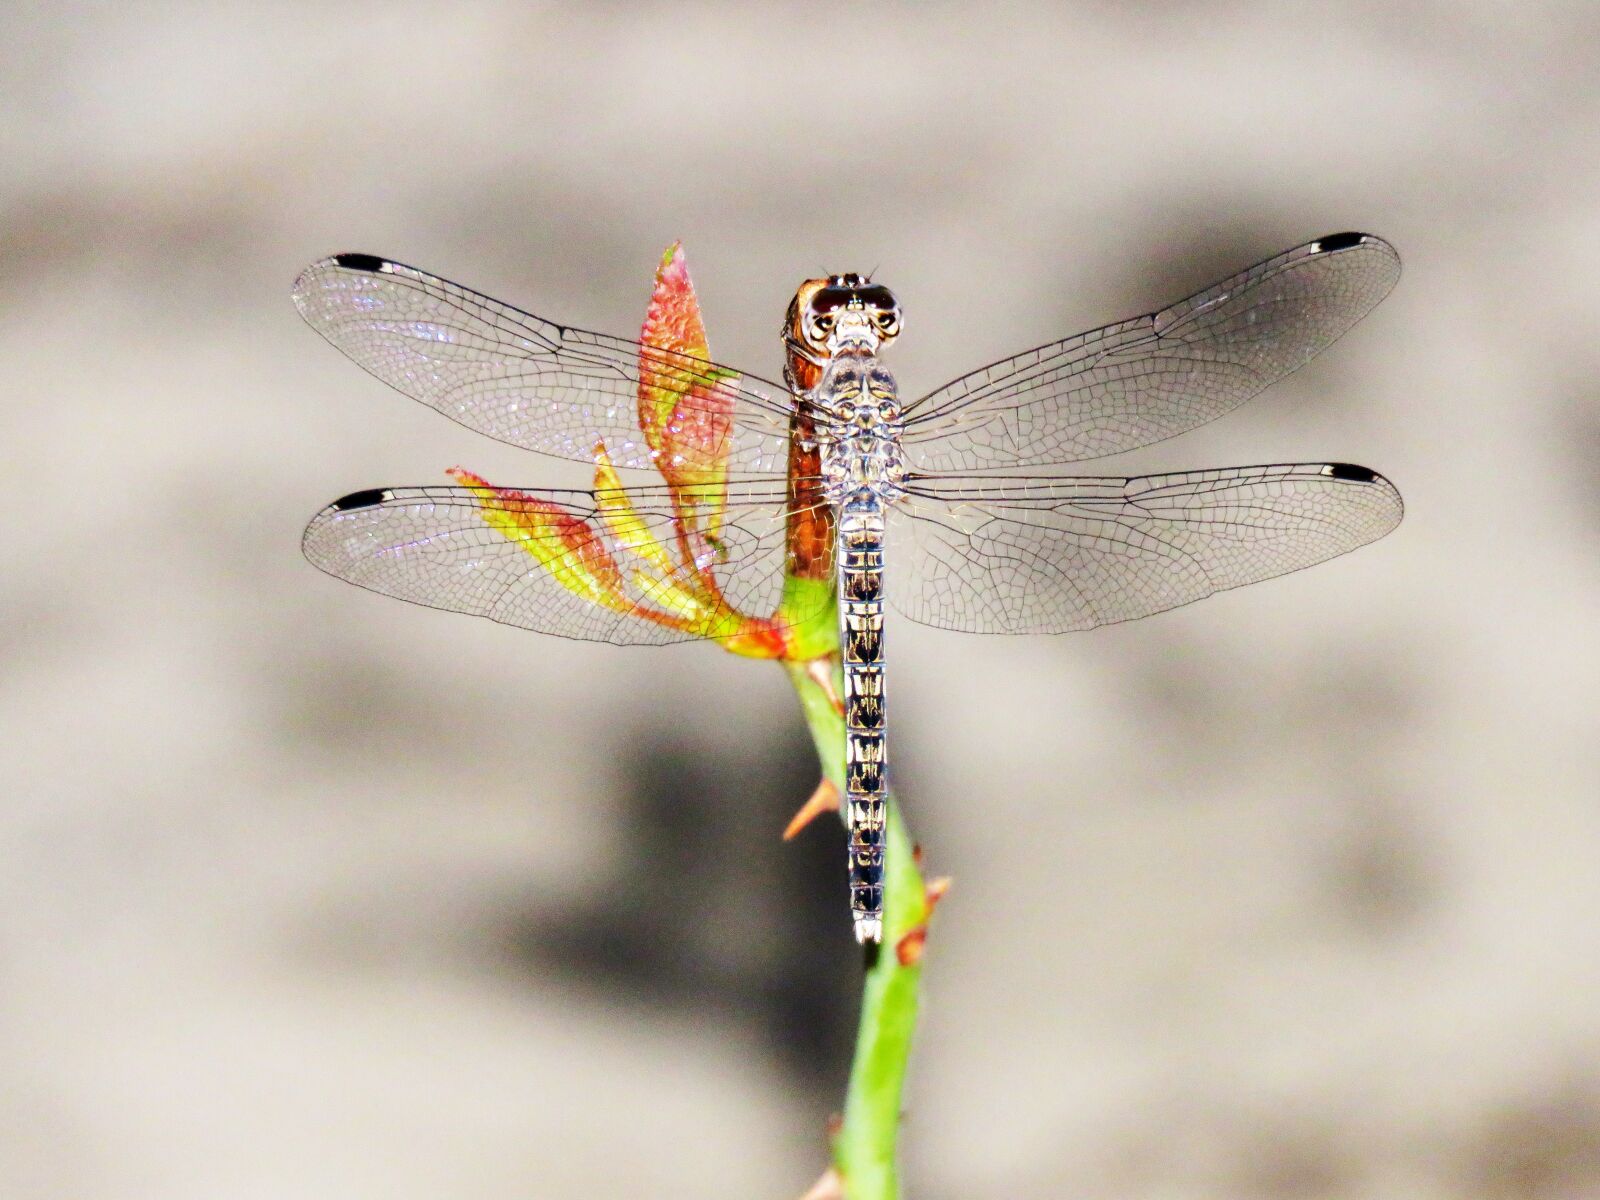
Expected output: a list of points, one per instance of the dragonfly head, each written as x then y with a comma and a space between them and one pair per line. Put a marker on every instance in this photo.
840, 310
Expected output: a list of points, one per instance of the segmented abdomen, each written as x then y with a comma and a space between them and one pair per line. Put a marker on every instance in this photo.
866, 784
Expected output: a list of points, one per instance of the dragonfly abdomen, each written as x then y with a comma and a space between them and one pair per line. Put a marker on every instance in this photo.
860, 537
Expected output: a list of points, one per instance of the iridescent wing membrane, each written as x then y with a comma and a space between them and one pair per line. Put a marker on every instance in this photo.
1153, 377
533, 383
557, 564
519, 378
972, 548
1003, 554
1021, 556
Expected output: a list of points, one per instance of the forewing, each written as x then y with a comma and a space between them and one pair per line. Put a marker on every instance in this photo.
582, 574
523, 379
1071, 554
1139, 381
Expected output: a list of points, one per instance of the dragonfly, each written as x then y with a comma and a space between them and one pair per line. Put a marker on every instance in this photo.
957, 508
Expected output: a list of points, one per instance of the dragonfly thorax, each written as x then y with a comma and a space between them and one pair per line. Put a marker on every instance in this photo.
859, 426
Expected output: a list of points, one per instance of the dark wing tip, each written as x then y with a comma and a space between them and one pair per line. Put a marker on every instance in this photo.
370, 498
1351, 472
370, 263
1342, 241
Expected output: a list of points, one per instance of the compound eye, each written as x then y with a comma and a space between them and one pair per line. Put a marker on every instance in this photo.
886, 321
822, 325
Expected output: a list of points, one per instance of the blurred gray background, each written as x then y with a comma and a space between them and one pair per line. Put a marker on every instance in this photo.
306, 892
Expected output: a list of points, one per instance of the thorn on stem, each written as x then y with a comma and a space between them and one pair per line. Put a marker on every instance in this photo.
908, 950
824, 799
829, 1187
821, 672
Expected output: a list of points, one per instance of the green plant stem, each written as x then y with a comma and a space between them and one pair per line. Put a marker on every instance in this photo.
864, 1148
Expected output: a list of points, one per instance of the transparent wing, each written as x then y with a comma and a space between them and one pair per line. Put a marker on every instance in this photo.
520, 378
1156, 376
569, 569
1048, 557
